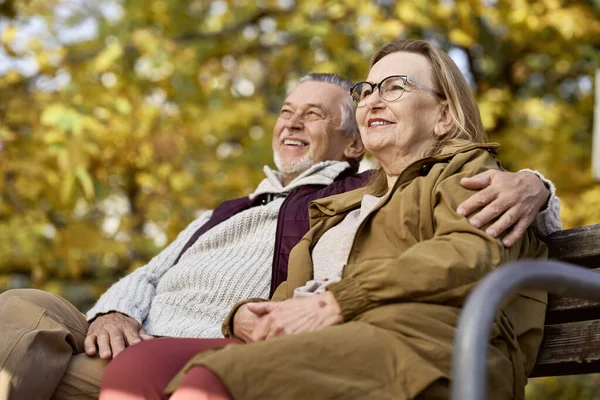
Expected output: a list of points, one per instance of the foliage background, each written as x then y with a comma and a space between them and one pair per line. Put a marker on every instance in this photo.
121, 120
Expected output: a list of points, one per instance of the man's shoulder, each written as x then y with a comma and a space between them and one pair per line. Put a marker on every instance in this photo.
342, 184
345, 183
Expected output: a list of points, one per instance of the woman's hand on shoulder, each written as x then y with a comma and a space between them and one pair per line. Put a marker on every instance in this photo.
305, 314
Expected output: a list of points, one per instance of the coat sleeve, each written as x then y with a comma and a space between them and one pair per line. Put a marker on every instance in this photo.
441, 269
133, 294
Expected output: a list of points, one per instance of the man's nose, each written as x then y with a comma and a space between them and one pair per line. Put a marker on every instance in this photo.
295, 122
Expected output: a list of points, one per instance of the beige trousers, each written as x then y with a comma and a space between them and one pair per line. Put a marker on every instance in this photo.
41, 349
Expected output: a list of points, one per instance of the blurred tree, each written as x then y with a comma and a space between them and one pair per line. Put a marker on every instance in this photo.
121, 120
585, 387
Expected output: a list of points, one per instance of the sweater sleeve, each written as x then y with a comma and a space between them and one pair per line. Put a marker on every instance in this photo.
548, 220
132, 295
441, 269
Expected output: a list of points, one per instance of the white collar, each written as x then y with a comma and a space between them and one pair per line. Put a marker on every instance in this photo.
323, 173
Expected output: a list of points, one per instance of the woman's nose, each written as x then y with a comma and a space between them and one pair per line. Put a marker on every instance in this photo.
374, 100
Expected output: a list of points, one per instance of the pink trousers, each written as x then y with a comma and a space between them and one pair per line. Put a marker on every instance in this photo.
143, 371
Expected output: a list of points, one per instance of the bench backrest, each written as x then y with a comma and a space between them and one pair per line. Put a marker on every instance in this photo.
571, 342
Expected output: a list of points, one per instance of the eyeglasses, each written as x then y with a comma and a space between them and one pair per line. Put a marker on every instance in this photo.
390, 89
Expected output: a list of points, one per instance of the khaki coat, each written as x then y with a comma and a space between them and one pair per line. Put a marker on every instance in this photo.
412, 263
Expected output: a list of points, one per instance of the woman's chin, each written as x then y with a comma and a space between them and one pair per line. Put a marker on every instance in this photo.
375, 146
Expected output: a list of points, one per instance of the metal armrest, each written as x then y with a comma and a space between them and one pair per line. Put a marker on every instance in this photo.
469, 371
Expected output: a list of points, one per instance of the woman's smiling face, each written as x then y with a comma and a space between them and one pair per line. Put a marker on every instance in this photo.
400, 131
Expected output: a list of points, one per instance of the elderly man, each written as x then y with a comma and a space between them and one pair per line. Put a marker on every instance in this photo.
239, 250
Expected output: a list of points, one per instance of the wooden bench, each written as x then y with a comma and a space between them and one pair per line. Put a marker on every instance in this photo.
571, 344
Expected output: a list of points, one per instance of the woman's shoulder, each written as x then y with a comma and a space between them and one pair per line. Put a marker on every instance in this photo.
468, 159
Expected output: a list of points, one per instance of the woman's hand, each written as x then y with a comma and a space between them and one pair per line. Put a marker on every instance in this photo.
292, 316
244, 322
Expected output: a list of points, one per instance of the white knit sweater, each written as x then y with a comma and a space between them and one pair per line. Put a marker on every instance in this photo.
229, 263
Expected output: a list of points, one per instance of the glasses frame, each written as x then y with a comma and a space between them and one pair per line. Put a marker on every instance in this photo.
406, 79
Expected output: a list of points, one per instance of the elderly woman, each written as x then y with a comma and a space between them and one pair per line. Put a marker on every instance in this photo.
375, 288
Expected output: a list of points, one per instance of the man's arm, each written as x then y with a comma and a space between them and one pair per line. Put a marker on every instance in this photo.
514, 201
117, 318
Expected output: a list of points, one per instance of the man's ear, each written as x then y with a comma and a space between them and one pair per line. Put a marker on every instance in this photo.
445, 122
355, 148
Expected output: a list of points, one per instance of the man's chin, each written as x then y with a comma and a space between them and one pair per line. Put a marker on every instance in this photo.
295, 166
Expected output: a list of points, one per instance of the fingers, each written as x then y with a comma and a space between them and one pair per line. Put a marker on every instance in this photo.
516, 232
144, 335
488, 214
267, 328
109, 334
479, 181
476, 202
132, 336
117, 343
507, 220
275, 331
110, 343
514, 222
261, 308
90, 345
261, 330
104, 350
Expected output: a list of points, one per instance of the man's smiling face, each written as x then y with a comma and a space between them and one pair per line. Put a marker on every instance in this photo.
307, 130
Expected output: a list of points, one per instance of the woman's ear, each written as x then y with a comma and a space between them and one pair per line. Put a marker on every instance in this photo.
445, 122
355, 148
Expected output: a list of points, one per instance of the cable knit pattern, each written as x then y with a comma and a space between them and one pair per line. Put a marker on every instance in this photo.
132, 295
226, 265
229, 263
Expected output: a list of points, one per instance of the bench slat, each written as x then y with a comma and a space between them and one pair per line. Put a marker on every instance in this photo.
578, 245
571, 348
568, 309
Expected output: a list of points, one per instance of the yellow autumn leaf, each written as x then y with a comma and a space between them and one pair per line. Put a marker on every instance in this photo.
108, 57
123, 106
9, 35
461, 38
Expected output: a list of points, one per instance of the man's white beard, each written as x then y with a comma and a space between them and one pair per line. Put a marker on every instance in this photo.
295, 167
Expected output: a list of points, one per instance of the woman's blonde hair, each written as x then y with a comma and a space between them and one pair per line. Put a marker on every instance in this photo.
466, 126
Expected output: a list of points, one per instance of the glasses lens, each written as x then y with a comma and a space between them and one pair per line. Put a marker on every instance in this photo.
392, 88
355, 93
360, 92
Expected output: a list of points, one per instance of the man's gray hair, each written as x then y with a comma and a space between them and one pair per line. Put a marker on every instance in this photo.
348, 108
